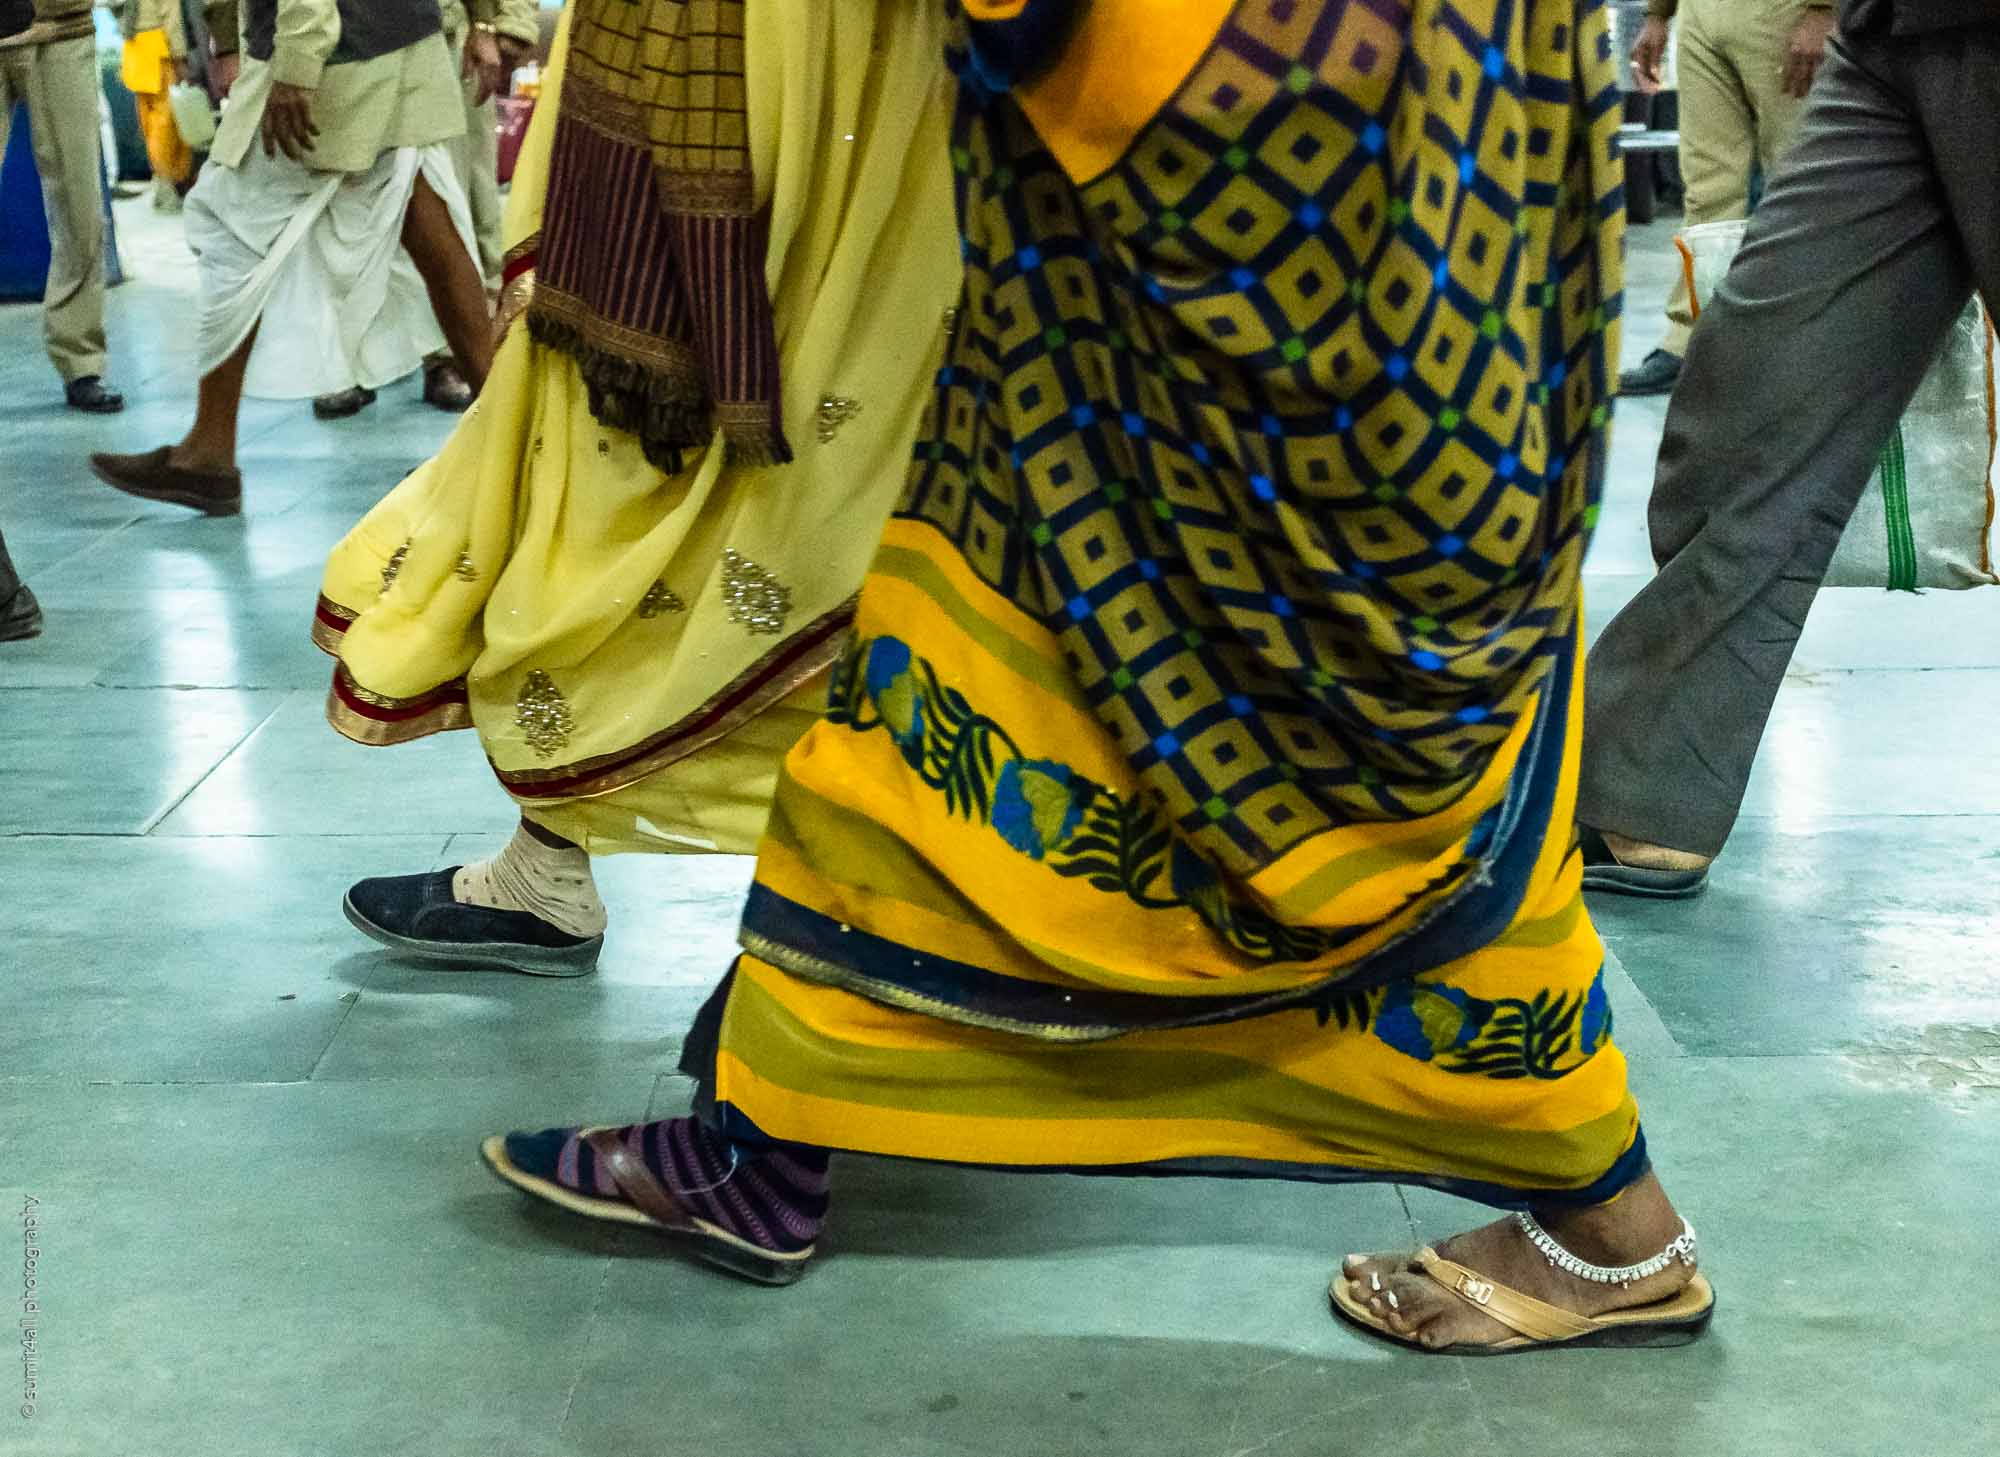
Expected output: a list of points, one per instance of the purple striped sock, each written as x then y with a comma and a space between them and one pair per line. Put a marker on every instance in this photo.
777, 1201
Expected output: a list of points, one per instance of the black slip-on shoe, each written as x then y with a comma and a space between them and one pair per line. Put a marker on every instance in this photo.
1606, 872
20, 616
445, 389
342, 403
1656, 374
90, 396
416, 915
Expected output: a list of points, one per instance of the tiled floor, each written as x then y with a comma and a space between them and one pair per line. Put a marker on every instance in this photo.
252, 1136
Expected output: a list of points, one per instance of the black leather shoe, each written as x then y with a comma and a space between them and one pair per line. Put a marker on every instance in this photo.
20, 617
343, 403
1657, 374
1604, 871
89, 395
445, 389
416, 915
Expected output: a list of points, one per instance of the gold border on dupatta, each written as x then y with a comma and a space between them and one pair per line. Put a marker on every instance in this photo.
607, 773
518, 291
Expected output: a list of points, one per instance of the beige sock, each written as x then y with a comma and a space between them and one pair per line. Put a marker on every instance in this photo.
553, 884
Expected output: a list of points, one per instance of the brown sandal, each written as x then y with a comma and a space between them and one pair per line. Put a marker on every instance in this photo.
1674, 1321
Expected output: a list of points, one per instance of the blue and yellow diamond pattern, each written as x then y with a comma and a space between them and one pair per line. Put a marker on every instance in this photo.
1291, 423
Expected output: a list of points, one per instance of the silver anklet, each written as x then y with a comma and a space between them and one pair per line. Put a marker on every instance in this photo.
1682, 1249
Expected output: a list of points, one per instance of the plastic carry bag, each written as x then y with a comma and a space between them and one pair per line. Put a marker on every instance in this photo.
194, 114
1926, 518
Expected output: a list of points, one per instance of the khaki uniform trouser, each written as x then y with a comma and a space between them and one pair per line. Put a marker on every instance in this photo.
1734, 114
58, 80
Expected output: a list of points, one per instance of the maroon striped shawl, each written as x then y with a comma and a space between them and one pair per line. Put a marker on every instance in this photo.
651, 267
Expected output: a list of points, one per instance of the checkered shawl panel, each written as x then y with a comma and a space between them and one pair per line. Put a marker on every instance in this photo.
651, 265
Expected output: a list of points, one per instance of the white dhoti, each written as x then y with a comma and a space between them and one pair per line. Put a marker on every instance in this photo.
318, 257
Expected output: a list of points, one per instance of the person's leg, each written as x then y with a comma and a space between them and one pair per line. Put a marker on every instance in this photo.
62, 107
540, 873
236, 216
171, 160
13, 85
755, 1208
210, 444
756, 1212
478, 154
1850, 276
1947, 75
1718, 146
200, 472
458, 296
476, 160
1639, 1224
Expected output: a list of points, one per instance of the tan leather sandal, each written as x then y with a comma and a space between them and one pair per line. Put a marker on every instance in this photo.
1674, 1321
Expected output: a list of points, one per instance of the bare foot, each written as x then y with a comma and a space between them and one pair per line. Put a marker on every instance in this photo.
1640, 856
1633, 1227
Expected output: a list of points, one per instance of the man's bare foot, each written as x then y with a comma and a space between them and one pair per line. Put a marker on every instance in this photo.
1635, 1226
1641, 856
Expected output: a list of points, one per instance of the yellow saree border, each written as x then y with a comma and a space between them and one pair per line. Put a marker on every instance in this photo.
1378, 874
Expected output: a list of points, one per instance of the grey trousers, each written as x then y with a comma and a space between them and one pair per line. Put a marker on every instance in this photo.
1869, 242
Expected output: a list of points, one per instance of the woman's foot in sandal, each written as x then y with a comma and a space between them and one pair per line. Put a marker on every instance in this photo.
757, 1217
1497, 1289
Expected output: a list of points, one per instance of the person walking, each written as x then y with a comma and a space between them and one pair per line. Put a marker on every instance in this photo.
489, 41
634, 610
1745, 67
155, 59
1196, 794
1875, 232
331, 165
48, 58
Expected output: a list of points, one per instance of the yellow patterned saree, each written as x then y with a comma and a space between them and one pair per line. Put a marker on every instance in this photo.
1196, 794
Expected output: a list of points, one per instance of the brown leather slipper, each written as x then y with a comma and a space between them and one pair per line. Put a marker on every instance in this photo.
152, 477
1675, 1321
